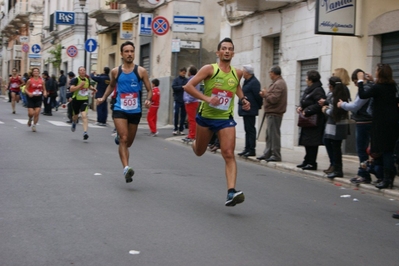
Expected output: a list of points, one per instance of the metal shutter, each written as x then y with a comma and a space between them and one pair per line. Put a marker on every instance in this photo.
145, 62
307, 65
390, 52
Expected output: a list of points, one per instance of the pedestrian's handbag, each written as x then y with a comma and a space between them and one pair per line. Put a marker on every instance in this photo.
307, 121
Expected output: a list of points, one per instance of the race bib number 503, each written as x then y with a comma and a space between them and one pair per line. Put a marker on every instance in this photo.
129, 101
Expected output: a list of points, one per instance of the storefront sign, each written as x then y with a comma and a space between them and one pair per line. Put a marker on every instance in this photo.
335, 17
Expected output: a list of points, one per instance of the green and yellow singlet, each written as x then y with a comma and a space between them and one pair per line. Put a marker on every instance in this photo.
224, 86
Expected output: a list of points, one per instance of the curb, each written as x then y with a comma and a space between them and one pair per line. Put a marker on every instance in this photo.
290, 167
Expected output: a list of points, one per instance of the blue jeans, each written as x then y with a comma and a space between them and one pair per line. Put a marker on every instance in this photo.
363, 133
62, 95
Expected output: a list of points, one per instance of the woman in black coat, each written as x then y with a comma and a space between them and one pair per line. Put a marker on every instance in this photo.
312, 137
384, 129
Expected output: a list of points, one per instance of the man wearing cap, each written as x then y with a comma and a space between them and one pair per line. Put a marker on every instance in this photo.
251, 89
275, 105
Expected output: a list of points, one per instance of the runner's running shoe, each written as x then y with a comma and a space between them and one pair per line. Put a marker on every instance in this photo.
128, 172
85, 136
29, 121
234, 198
33, 128
73, 127
117, 139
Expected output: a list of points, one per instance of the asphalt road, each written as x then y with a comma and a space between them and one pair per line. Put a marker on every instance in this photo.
64, 201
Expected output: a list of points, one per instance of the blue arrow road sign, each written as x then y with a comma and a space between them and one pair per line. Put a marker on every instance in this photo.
36, 48
91, 45
199, 20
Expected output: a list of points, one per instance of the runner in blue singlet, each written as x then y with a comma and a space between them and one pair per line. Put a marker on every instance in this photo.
128, 107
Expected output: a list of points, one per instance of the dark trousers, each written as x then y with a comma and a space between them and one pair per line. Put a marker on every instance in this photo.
311, 154
179, 111
328, 143
48, 102
70, 111
102, 112
337, 155
363, 134
250, 133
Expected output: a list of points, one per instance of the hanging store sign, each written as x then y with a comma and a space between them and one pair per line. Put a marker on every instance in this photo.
335, 17
64, 18
126, 31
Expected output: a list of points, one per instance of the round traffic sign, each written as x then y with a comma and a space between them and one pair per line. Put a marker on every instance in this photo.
72, 51
160, 25
36, 48
25, 48
91, 45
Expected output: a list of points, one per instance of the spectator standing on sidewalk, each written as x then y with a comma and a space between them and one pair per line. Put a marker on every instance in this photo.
153, 110
275, 105
337, 126
312, 137
179, 110
363, 120
251, 90
51, 87
102, 84
384, 128
69, 94
62, 82
191, 104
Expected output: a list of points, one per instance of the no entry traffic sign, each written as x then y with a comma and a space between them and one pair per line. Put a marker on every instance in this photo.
160, 25
72, 51
25, 48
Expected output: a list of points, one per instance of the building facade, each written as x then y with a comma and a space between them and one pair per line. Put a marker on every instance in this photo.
268, 33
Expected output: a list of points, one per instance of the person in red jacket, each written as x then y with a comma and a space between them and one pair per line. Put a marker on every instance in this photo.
153, 111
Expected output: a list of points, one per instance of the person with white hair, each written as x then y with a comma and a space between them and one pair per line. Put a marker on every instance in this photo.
251, 89
275, 105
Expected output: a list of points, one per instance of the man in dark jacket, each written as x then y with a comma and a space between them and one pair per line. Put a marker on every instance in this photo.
71, 76
102, 84
51, 87
179, 107
275, 99
251, 89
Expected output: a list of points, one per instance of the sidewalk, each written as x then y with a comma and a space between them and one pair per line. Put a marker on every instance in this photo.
291, 158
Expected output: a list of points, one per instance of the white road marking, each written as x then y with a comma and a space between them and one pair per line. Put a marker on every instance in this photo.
134, 252
59, 123
24, 121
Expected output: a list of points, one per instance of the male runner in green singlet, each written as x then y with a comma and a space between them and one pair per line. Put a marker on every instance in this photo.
222, 83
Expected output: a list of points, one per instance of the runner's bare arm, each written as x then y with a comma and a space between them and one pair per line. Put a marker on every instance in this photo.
204, 73
246, 105
144, 76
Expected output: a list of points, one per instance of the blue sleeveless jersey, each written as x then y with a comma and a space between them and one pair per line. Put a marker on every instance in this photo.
128, 98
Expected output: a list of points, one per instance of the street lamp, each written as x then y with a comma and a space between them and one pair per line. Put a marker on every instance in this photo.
82, 4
